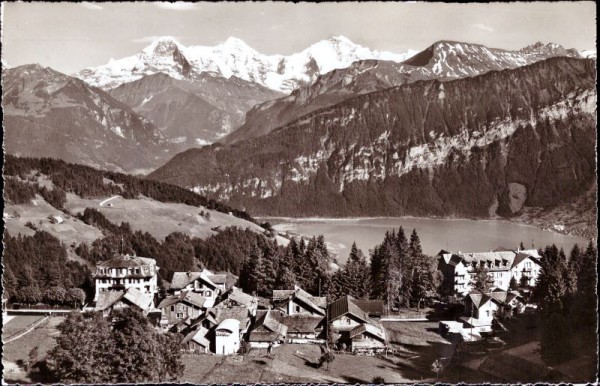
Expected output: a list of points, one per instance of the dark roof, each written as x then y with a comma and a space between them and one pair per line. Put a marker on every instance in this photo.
126, 261
268, 326
343, 306
237, 295
282, 294
301, 323
523, 256
198, 336
189, 297
376, 331
132, 295
371, 307
181, 280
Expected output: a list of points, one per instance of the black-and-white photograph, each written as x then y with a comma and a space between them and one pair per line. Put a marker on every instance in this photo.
299, 193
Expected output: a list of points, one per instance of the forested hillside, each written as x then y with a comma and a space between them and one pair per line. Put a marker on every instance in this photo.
478, 147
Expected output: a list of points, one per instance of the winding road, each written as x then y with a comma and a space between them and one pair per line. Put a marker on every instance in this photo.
108, 199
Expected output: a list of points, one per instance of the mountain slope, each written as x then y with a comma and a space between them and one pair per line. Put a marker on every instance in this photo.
234, 58
444, 60
482, 146
47, 113
195, 111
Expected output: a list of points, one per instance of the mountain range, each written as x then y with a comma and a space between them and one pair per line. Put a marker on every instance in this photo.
234, 58
50, 114
481, 146
361, 133
443, 60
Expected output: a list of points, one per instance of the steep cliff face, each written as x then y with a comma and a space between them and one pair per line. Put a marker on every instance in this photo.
480, 146
444, 60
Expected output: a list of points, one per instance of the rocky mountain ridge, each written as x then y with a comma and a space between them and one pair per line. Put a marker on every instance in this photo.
487, 145
47, 113
443, 60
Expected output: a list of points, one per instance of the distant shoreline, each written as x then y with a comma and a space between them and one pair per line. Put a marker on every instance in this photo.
282, 219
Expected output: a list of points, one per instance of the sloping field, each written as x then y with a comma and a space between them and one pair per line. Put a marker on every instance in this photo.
158, 218
71, 231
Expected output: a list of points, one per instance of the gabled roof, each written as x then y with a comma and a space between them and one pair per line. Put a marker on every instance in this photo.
240, 297
136, 297
371, 307
131, 295
268, 327
181, 280
523, 256
198, 336
217, 314
282, 294
308, 301
374, 331
344, 306
313, 301
126, 261
107, 299
189, 297
302, 323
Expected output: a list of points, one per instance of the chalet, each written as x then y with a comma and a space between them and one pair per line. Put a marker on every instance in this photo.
501, 265
198, 282
356, 330
235, 297
368, 338
344, 315
227, 337
304, 328
123, 272
482, 309
131, 297
196, 341
179, 307
219, 336
299, 302
268, 329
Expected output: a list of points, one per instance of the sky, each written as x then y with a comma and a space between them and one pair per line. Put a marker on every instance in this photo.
72, 36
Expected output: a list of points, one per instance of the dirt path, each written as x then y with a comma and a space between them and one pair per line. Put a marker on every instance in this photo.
31, 328
108, 199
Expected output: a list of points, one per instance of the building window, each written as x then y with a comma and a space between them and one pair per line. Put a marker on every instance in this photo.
173, 308
348, 321
208, 293
528, 264
297, 308
180, 315
487, 313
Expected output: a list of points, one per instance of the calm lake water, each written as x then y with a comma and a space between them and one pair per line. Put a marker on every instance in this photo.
435, 234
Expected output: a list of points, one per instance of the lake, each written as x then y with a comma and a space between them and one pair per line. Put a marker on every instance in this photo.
435, 234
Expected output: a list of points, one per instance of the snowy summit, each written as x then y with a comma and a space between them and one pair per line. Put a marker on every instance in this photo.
235, 58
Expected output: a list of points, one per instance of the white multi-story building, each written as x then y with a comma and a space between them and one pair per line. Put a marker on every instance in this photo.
123, 272
459, 268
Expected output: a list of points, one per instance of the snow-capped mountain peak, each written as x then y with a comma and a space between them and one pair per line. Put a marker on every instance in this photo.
162, 46
234, 57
